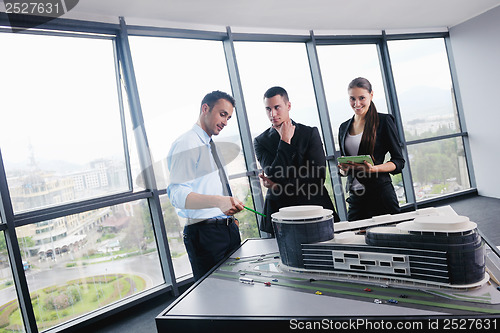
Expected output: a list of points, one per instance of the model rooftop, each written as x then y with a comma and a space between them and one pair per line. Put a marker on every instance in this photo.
438, 224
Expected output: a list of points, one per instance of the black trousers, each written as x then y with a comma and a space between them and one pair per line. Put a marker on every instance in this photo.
373, 201
209, 243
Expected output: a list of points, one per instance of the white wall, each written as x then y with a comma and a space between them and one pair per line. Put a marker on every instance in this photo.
476, 50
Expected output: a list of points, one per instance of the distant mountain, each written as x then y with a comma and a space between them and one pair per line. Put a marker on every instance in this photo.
60, 166
422, 102
56, 166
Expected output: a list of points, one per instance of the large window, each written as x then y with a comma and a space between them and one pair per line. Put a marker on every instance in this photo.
173, 76
428, 110
264, 65
423, 84
340, 64
63, 143
60, 127
82, 262
438, 168
89, 229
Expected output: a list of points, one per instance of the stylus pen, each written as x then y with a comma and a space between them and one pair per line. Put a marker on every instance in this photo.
250, 209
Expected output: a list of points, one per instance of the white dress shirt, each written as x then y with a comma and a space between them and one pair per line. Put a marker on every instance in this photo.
352, 143
193, 169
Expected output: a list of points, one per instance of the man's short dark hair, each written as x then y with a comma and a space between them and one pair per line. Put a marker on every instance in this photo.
211, 98
271, 92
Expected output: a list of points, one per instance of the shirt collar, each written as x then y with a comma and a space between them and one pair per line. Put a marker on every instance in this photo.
201, 134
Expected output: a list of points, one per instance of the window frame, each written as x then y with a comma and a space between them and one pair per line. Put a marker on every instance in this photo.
119, 33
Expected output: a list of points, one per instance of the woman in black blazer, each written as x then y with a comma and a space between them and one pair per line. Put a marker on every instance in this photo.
369, 133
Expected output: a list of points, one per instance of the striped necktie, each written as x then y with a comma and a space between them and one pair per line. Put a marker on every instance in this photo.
222, 174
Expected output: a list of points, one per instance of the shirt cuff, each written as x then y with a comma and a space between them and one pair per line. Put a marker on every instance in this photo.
177, 195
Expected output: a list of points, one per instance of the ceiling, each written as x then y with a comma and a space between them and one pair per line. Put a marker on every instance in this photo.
287, 15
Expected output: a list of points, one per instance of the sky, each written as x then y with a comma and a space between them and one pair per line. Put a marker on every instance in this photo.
59, 95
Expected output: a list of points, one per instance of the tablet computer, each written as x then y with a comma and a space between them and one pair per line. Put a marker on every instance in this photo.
355, 159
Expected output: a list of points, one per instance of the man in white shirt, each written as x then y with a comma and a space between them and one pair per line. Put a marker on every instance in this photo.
199, 189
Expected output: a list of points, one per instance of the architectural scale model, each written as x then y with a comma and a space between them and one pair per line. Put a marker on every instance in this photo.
431, 247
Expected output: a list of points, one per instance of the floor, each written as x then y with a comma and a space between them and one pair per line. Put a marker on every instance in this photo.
484, 211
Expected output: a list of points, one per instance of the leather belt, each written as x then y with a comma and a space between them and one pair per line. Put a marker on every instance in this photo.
215, 220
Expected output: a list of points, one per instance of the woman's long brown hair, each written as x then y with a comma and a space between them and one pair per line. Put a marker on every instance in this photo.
369, 137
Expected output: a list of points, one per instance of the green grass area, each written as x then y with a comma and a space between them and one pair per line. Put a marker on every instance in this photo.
177, 254
226, 268
484, 297
460, 297
6, 284
56, 304
112, 256
106, 236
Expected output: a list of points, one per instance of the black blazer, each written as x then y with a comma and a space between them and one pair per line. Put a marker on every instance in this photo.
387, 141
299, 169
